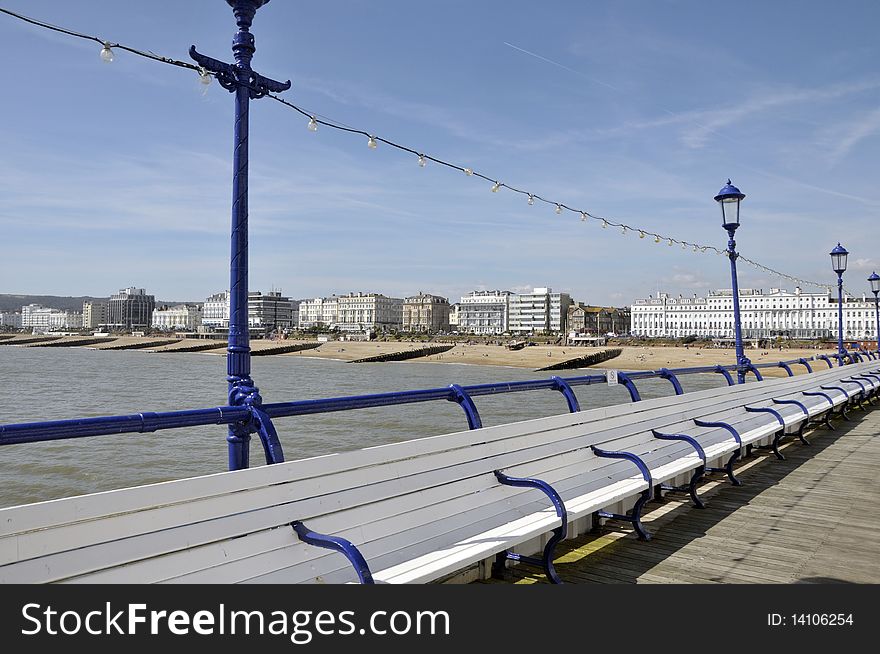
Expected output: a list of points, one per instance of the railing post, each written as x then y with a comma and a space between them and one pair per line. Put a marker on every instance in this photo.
239, 78
466, 402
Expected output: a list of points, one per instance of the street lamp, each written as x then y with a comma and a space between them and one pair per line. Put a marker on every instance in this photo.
729, 198
875, 289
838, 265
239, 78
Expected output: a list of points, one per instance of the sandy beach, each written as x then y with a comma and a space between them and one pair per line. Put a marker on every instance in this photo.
631, 358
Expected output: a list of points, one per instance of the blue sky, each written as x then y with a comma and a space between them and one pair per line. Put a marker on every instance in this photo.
116, 175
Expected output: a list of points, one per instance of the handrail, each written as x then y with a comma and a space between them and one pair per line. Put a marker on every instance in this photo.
260, 416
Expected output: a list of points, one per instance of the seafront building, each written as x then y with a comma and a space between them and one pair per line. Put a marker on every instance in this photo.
319, 312
369, 312
183, 317
10, 319
541, 311
454, 314
272, 311
425, 313
483, 312
778, 312
598, 321
131, 308
94, 314
215, 311
44, 319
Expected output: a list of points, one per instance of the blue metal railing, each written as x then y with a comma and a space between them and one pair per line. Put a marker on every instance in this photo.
260, 416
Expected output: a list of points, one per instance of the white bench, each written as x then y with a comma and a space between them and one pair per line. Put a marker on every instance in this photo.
416, 511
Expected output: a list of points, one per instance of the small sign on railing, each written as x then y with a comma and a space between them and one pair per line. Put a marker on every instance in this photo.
611, 377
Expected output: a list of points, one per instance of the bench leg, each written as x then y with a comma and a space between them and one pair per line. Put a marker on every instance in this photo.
545, 562
728, 468
690, 489
775, 445
800, 433
634, 516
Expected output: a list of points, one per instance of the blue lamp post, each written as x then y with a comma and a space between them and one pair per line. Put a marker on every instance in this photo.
240, 79
729, 198
838, 265
874, 279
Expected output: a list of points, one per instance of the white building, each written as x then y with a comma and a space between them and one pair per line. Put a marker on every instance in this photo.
762, 315
542, 310
454, 313
319, 312
183, 317
483, 312
44, 319
10, 319
215, 311
369, 311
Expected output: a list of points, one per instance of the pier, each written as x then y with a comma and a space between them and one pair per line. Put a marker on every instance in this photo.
812, 518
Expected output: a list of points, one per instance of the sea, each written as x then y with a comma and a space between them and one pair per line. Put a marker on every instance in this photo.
62, 383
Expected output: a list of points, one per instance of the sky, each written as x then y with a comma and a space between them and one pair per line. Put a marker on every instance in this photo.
116, 175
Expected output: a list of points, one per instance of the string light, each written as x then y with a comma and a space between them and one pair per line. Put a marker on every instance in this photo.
495, 187
107, 55
670, 243
558, 209
422, 161
623, 229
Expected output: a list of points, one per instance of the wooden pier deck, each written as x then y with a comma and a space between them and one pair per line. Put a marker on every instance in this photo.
814, 518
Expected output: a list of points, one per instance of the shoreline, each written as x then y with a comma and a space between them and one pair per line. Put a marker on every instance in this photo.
632, 357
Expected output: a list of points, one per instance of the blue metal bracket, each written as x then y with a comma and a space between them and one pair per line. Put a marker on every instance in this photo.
786, 367
805, 364
666, 374
682, 437
691, 488
336, 544
836, 388
794, 402
622, 378
629, 456
774, 445
817, 393
826, 359
562, 386
722, 370
467, 403
722, 425
755, 371
268, 435
546, 561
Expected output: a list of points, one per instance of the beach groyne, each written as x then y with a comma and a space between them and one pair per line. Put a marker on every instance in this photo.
30, 341
284, 349
405, 354
74, 342
142, 345
585, 361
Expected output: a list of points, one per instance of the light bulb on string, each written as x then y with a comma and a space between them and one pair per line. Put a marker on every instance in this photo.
656, 239
204, 79
496, 186
684, 246
669, 243
422, 161
558, 209
623, 229
372, 143
604, 224
695, 248
106, 53
313, 124
468, 172
641, 234
531, 199
583, 216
